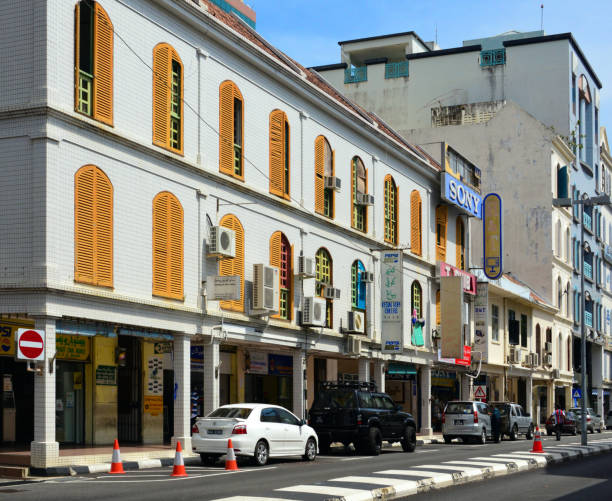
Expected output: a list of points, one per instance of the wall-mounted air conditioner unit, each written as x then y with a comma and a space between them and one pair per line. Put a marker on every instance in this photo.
313, 311
331, 293
356, 322
353, 345
556, 373
535, 359
548, 359
548, 347
265, 287
515, 355
306, 267
364, 199
222, 242
366, 276
333, 183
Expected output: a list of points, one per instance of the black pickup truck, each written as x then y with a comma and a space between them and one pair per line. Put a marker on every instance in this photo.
354, 412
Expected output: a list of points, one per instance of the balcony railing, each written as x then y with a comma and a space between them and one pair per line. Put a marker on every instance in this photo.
492, 57
356, 74
587, 221
588, 270
396, 70
588, 319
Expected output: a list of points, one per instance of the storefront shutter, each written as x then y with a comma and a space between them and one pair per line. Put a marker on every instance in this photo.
103, 67
277, 152
226, 128
161, 95
415, 222
319, 170
84, 215
160, 244
103, 271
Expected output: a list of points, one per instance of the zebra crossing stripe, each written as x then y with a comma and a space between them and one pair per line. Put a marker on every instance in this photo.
346, 493
467, 471
435, 477
497, 468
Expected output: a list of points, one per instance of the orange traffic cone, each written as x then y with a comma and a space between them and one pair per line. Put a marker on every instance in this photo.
230, 459
537, 441
116, 464
179, 464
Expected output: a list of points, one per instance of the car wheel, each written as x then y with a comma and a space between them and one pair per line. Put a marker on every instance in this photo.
514, 433
529, 434
261, 453
374, 441
310, 452
483, 437
409, 439
447, 439
208, 459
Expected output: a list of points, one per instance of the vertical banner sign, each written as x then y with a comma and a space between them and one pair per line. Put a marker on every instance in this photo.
392, 336
492, 235
481, 320
451, 317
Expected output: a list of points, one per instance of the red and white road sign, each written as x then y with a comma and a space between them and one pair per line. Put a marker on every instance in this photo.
480, 391
30, 344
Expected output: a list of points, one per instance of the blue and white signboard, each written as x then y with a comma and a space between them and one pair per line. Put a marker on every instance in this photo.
576, 393
460, 195
392, 335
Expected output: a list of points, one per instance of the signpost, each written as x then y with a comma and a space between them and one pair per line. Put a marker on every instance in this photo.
30, 344
492, 235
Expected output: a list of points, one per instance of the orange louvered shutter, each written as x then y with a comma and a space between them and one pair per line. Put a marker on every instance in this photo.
441, 218
84, 225
103, 270
459, 244
167, 246
160, 244
438, 311
291, 283
226, 128
275, 256
103, 67
235, 265
319, 172
161, 95
77, 48
415, 222
175, 248
277, 153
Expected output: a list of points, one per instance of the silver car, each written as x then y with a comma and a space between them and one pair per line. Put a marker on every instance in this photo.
467, 421
594, 421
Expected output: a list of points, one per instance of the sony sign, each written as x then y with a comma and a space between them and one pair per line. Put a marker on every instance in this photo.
457, 193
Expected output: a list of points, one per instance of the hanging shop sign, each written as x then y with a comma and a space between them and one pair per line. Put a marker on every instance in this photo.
197, 357
464, 362
280, 365
106, 375
461, 196
7, 339
481, 320
392, 335
492, 236
70, 347
469, 280
165, 347
256, 362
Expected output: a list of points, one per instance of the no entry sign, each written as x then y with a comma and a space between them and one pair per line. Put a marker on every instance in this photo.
30, 344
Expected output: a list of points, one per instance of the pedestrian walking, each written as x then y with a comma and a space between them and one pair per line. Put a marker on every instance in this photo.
559, 418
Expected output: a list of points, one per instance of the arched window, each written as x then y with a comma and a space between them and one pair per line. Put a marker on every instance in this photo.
568, 301
167, 98
416, 299
234, 266
281, 256
568, 252
562, 182
569, 353
441, 223
539, 343
231, 130
438, 311
279, 154
416, 222
167, 246
391, 211
93, 227
559, 294
93, 62
359, 210
324, 277
549, 335
559, 350
460, 244
558, 250
358, 286
324, 168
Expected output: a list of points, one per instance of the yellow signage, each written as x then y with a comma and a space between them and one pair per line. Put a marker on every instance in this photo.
153, 404
70, 347
7, 337
492, 232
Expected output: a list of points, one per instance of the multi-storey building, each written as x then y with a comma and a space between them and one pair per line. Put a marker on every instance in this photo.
405, 80
159, 160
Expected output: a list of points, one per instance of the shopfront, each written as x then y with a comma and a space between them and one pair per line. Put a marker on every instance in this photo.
444, 388
402, 385
269, 378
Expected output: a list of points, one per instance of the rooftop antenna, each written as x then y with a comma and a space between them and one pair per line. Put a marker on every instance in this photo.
542, 17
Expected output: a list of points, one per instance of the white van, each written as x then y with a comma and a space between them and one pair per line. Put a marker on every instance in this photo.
467, 421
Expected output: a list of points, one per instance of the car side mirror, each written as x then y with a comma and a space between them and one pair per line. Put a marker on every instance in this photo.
302, 422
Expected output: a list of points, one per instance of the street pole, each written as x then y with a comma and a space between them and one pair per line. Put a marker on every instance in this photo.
583, 424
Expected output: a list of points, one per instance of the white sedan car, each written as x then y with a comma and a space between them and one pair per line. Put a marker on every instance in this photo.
260, 431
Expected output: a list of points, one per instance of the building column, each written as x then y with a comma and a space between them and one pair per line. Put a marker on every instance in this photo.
240, 376
299, 383
529, 397
182, 389
211, 376
364, 369
44, 449
600, 404
467, 387
379, 375
425, 376
550, 398
331, 369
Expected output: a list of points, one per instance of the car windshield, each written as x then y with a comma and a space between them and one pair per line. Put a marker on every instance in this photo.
459, 408
231, 412
344, 399
502, 408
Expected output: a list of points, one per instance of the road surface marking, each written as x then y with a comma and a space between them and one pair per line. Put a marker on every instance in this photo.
437, 478
352, 494
496, 467
251, 498
401, 487
353, 459
468, 471
427, 450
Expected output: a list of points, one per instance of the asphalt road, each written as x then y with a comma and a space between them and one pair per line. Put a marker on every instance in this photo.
210, 483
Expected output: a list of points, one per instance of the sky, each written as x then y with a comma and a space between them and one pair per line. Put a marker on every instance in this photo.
309, 31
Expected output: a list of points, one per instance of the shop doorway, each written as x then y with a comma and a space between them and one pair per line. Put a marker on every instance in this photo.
17, 403
168, 405
129, 391
276, 390
69, 403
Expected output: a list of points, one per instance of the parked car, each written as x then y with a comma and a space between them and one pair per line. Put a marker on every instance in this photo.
354, 412
609, 420
567, 428
594, 421
514, 420
260, 431
466, 420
